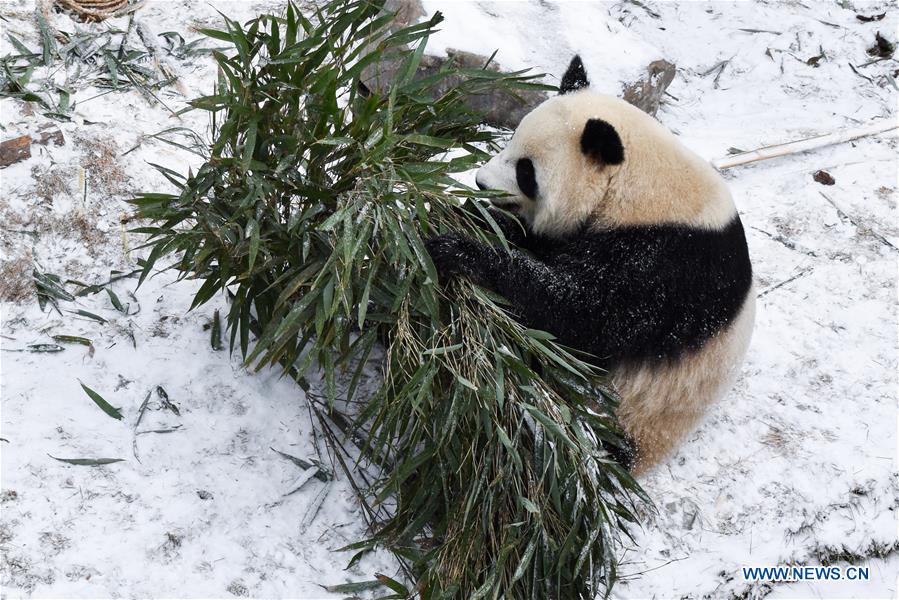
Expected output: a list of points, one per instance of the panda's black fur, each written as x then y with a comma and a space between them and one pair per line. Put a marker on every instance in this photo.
631, 294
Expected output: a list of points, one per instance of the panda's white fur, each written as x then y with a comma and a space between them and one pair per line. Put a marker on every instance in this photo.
659, 406
659, 182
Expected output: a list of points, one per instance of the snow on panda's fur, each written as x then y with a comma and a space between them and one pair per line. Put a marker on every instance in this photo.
633, 252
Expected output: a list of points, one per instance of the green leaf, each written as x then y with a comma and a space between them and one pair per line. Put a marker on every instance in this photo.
249, 145
87, 462
253, 235
116, 302
427, 140
322, 473
352, 588
89, 315
525, 560
510, 447
48, 45
73, 339
550, 425
539, 335
443, 349
103, 404
393, 584
216, 34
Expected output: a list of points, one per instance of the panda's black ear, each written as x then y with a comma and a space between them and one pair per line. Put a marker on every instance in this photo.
601, 142
575, 78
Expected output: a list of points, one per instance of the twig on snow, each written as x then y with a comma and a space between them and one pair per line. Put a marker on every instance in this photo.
854, 70
801, 273
787, 243
720, 67
843, 215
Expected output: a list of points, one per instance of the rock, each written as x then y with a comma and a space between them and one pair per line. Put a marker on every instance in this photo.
824, 178
15, 150
50, 135
19, 149
408, 12
501, 109
646, 93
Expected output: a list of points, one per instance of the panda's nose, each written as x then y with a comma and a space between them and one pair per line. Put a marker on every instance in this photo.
480, 184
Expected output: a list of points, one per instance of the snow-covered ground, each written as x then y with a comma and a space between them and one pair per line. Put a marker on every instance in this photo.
798, 465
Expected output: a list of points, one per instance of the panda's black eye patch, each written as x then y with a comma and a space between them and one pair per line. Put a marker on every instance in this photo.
526, 177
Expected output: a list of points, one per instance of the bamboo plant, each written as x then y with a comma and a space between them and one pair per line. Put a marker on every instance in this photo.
310, 212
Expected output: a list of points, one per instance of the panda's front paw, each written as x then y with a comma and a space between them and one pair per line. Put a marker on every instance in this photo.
455, 254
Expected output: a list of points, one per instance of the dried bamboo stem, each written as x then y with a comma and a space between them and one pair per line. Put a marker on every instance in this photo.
804, 145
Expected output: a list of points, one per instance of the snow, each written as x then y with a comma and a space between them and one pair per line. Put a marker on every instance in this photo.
544, 36
197, 512
798, 461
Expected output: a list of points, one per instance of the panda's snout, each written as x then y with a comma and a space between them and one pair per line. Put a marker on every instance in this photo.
481, 185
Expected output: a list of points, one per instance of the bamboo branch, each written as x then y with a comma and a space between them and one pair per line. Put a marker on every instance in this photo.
804, 145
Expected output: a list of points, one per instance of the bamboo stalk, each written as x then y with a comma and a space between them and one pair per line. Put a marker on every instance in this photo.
804, 145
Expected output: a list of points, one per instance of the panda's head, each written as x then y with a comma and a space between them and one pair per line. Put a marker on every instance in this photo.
585, 158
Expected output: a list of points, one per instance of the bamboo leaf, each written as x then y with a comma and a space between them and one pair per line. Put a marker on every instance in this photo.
73, 339
116, 302
321, 181
87, 462
354, 587
103, 404
45, 348
89, 315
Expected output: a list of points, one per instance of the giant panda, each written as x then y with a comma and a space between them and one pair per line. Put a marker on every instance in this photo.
632, 251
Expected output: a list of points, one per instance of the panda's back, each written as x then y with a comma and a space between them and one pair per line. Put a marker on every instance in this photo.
651, 293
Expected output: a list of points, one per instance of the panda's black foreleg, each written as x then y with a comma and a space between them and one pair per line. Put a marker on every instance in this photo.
544, 297
457, 254
625, 454
515, 232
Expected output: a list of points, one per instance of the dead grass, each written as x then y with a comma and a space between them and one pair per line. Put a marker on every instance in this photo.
16, 284
887, 194
53, 542
100, 160
52, 181
18, 571
828, 555
103, 172
42, 220
776, 438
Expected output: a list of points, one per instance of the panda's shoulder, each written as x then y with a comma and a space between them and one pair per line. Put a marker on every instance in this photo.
669, 246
